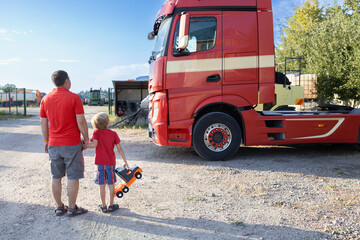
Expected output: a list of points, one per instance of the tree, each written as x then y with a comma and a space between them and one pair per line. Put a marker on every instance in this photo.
295, 34
334, 55
9, 88
327, 40
352, 5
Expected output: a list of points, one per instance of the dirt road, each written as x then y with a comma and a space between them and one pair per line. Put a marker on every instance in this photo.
303, 192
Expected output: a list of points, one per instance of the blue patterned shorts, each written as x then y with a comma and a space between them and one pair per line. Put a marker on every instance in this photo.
105, 174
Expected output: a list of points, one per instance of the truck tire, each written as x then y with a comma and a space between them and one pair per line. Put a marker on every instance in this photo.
216, 136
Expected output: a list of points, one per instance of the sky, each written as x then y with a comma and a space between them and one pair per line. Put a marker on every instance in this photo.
94, 41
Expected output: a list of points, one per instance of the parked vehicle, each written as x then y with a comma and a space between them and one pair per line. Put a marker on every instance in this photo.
96, 98
213, 62
16, 98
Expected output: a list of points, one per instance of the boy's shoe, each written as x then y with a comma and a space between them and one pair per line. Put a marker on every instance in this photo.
103, 209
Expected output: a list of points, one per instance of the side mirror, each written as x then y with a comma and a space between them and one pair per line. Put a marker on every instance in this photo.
151, 36
184, 31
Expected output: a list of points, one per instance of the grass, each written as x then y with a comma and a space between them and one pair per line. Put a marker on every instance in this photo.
341, 173
139, 124
239, 223
7, 116
159, 209
196, 198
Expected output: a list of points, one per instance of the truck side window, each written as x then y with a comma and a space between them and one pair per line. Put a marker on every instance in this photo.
202, 34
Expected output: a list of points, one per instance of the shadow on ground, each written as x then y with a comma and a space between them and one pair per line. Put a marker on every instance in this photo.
323, 160
125, 224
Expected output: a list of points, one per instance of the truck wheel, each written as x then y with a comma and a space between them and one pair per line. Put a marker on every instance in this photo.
216, 136
125, 189
119, 194
138, 175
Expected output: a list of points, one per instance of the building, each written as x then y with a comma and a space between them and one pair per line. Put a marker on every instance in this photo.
128, 94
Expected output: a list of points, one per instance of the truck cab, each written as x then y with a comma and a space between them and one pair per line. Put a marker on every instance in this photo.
212, 63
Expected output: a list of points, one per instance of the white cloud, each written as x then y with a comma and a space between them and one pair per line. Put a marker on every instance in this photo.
124, 72
3, 31
55, 60
42, 60
6, 39
10, 61
67, 60
4, 35
7, 35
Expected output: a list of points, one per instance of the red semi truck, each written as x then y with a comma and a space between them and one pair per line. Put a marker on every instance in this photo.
213, 62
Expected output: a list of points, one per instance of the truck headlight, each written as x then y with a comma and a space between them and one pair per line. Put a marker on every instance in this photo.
155, 114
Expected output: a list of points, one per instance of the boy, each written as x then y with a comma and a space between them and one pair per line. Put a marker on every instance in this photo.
104, 140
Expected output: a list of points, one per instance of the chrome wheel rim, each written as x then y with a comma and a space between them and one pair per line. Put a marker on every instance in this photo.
217, 137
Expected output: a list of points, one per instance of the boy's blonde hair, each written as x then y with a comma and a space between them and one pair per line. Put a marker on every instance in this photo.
100, 121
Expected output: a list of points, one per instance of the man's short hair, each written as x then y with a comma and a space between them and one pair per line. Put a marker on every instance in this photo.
59, 77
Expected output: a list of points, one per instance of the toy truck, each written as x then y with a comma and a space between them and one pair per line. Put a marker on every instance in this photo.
129, 176
213, 62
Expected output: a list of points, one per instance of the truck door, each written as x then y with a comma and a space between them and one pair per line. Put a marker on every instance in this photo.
194, 75
240, 45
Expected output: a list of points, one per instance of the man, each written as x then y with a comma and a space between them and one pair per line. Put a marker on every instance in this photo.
62, 120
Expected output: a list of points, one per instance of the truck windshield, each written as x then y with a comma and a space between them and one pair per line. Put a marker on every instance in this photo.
161, 38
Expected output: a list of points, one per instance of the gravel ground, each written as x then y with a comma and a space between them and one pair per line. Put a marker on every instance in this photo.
277, 192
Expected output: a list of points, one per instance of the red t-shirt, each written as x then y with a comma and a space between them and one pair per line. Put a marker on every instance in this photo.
60, 108
104, 153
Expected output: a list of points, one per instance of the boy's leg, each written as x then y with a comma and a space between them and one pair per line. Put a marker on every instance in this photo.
111, 192
111, 179
100, 179
103, 194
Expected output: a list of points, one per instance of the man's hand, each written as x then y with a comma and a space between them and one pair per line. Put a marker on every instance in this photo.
84, 144
82, 125
46, 147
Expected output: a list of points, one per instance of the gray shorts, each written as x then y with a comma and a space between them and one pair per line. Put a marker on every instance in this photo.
66, 159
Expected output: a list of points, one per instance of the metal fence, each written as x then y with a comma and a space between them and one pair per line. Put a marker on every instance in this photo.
17, 101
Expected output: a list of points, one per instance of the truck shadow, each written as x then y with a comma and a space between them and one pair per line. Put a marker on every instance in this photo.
327, 160
187, 228
124, 224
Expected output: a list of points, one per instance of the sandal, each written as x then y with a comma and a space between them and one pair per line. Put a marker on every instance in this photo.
103, 209
113, 207
71, 212
63, 210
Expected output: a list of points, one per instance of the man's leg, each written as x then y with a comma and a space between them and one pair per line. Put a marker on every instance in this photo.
56, 188
72, 190
74, 162
57, 167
